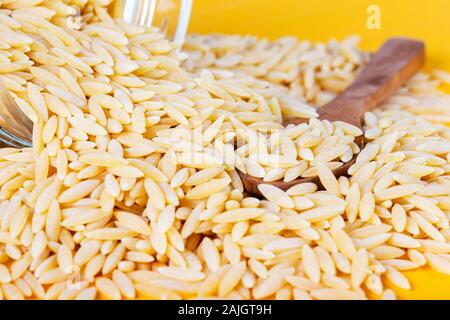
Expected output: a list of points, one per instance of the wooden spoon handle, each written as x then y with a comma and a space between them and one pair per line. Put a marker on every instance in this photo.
391, 67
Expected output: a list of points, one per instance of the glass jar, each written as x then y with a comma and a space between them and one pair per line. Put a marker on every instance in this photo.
171, 16
12, 141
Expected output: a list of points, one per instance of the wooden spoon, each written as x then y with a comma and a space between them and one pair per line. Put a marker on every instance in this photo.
391, 67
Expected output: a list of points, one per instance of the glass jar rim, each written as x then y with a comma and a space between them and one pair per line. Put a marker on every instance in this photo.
10, 140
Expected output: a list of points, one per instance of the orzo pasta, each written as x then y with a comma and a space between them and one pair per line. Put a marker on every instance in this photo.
131, 187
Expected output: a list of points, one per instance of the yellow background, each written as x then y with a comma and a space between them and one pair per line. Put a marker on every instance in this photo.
323, 19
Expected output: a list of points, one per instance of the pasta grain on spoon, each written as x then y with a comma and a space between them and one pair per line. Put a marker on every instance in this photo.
390, 68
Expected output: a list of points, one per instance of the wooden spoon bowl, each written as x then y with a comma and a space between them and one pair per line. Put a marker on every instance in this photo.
390, 68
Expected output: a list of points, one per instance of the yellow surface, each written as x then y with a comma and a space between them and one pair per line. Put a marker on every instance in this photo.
324, 19
321, 20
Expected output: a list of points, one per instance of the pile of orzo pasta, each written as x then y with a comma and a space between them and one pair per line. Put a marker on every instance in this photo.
131, 187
